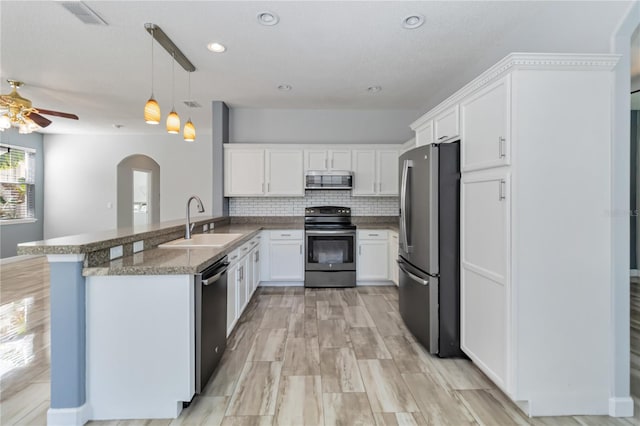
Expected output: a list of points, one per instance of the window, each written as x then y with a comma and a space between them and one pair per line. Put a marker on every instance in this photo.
17, 182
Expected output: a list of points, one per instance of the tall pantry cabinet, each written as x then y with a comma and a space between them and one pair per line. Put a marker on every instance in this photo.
535, 132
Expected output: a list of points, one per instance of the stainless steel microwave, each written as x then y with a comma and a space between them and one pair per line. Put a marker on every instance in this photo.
322, 179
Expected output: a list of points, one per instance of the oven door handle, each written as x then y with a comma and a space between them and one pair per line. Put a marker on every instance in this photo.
330, 232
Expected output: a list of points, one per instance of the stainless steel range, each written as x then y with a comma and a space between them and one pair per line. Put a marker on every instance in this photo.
330, 247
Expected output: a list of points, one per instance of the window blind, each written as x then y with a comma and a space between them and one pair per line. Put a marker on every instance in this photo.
17, 182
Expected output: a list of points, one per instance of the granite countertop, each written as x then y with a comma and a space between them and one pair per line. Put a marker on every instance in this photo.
84, 243
174, 261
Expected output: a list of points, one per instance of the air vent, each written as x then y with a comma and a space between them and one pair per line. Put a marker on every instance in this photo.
83, 12
192, 104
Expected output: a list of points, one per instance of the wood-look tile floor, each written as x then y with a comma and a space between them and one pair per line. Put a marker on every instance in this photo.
299, 357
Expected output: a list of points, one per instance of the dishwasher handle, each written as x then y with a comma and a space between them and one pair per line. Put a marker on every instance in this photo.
213, 274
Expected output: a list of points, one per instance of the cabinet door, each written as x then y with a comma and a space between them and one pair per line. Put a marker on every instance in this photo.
486, 120
387, 172
315, 159
284, 173
244, 172
255, 258
340, 159
447, 124
364, 170
242, 287
373, 260
424, 135
393, 256
232, 291
485, 286
286, 260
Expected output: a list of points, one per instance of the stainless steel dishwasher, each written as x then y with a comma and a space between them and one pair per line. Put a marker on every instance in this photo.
211, 320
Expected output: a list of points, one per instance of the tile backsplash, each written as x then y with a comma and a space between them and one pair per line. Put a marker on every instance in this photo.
294, 206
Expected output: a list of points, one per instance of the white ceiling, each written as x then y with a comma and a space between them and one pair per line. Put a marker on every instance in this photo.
330, 52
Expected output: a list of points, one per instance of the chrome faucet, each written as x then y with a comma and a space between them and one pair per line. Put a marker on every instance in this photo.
189, 226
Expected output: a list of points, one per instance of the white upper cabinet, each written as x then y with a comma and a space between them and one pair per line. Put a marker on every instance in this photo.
424, 134
253, 172
332, 159
447, 124
485, 117
364, 170
375, 172
387, 168
244, 172
284, 173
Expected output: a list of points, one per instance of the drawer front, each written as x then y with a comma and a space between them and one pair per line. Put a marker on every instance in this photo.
373, 234
245, 248
234, 256
292, 234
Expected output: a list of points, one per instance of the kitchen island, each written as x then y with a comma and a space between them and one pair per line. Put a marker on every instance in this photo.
122, 340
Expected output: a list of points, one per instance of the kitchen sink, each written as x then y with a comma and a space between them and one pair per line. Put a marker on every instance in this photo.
202, 241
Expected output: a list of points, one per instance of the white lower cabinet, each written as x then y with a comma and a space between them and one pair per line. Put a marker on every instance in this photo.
393, 257
232, 296
485, 231
373, 255
286, 256
241, 280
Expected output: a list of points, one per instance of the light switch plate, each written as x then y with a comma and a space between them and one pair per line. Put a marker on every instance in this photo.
205, 227
115, 252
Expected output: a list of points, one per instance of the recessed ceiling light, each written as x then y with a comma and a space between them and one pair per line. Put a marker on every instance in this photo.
412, 22
374, 89
216, 47
268, 18
284, 87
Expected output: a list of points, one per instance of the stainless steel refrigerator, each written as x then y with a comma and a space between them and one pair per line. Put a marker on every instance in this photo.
429, 252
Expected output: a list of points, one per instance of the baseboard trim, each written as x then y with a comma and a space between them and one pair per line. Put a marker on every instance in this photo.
76, 416
621, 407
281, 283
374, 283
635, 273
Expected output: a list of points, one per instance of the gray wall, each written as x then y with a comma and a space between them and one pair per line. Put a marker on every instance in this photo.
635, 137
320, 125
12, 234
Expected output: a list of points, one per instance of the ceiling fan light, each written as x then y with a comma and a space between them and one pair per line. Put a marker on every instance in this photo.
189, 132
24, 129
173, 122
152, 112
5, 122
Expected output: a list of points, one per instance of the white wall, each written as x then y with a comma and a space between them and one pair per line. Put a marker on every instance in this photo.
320, 126
80, 178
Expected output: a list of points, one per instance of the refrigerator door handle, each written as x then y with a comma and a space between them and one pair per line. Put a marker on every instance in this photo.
403, 205
411, 275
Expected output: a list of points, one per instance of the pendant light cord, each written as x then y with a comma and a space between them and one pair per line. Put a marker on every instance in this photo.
152, 62
173, 82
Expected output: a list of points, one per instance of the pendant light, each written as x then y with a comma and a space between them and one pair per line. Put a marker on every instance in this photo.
189, 131
151, 108
173, 120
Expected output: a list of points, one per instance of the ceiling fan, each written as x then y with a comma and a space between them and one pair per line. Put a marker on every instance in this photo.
18, 112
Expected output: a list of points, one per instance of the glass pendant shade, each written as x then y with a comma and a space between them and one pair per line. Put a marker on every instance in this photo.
152, 112
189, 132
5, 122
173, 122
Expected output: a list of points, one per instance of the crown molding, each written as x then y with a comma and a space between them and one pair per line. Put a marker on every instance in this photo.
524, 61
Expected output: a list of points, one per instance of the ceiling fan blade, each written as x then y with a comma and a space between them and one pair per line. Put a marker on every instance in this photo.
39, 120
57, 113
